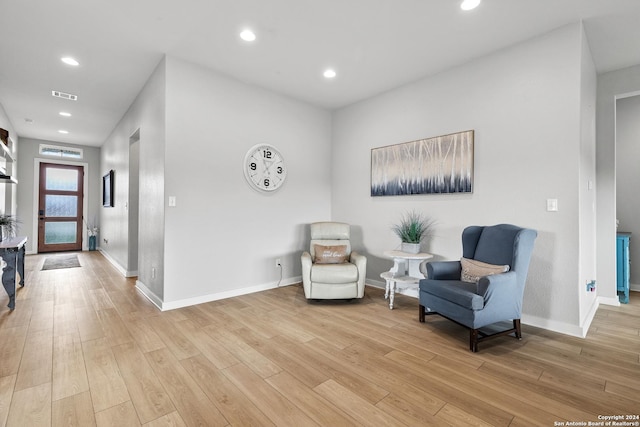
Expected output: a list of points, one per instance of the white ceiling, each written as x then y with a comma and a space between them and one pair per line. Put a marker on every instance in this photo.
374, 45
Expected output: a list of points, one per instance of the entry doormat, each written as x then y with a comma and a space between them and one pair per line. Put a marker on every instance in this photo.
61, 261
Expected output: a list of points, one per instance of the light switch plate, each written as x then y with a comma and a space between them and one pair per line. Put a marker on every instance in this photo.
172, 201
552, 205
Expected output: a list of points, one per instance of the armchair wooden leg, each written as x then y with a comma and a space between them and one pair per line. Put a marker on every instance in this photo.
421, 313
473, 340
516, 326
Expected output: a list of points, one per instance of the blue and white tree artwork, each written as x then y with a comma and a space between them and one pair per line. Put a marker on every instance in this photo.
438, 165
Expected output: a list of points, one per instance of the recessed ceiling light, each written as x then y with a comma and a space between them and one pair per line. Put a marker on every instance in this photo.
28, 120
469, 4
70, 61
64, 114
63, 131
248, 35
329, 74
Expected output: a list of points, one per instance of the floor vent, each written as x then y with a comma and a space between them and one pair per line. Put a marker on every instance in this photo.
64, 95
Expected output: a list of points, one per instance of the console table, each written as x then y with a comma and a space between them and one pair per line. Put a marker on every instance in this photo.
12, 252
404, 273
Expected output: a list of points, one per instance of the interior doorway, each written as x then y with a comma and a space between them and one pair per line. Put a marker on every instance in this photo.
60, 207
627, 134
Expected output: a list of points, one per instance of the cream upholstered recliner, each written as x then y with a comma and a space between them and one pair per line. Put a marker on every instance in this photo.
330, 270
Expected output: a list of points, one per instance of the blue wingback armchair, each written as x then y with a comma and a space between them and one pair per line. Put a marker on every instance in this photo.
486, 286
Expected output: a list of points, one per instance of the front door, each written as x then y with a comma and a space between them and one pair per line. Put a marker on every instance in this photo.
60, 208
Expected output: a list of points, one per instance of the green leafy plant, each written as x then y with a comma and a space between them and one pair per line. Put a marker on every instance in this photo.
413, 227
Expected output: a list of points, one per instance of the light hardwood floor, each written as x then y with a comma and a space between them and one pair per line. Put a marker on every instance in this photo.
84, 348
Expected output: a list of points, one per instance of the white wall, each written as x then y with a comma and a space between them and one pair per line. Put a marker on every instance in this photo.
526, 106
628, 176
146, 116
223, 237
610, 85
587, 185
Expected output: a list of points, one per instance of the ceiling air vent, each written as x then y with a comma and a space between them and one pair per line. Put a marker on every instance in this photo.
64, 95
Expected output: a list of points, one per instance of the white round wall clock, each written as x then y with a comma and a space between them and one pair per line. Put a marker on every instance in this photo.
264, 167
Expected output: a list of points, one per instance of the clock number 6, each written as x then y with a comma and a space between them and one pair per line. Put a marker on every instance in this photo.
266, 182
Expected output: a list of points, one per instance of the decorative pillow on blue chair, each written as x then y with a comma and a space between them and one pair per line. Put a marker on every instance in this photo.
473, 270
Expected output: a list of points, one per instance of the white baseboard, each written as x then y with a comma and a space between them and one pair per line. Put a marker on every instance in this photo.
186, 302
614, 301
555, 326
113, 262
634, 287
586, 323
144, 290
561, 327
35, 252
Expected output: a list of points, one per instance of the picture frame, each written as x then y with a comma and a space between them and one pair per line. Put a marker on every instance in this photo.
437, 165
107, 189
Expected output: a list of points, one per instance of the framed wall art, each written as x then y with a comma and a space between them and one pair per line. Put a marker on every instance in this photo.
438, 165
107, 190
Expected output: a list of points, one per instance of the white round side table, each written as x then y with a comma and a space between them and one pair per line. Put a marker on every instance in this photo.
405, 272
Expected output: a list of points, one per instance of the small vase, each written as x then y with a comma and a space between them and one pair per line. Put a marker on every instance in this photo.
412, 248
92, 243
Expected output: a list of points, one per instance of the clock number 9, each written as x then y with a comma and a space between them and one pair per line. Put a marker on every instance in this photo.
267, 154
252, 166
279, 169
266, 182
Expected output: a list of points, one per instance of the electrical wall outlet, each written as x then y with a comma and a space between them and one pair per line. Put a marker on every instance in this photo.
278, 264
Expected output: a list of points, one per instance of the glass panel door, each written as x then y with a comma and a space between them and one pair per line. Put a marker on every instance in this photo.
60, 208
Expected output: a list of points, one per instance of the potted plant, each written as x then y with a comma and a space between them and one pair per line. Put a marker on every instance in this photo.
412, 230
8, 225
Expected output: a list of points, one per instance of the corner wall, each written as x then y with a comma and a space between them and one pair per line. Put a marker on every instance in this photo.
587, 185
524, 104
146, 116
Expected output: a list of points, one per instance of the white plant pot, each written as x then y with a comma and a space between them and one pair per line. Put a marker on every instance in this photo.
412, 248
